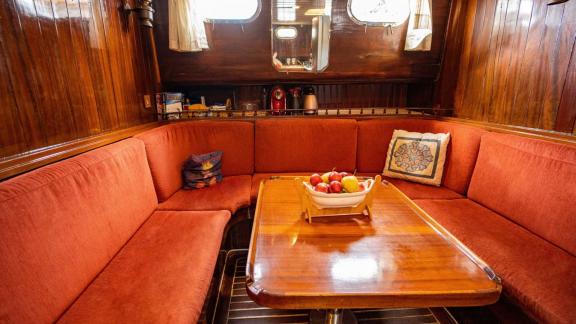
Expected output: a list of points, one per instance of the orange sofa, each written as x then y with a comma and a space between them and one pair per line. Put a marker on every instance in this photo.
168, 146
96, 236
82, 240
510, 199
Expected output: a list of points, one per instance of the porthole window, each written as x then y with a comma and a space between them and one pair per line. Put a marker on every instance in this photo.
379, 12
230, 11
286, 32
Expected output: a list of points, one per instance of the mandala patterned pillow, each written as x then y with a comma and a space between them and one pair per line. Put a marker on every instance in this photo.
417, 157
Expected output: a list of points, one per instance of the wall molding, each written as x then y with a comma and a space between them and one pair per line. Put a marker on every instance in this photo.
20, 163
548, 135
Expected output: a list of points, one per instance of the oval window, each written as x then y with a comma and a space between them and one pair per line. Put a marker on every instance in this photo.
379, 12
233, 11
286, 32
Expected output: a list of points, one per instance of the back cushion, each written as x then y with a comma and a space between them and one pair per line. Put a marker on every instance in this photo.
531, 182
374, 137
293, 145
61, 224
169, 146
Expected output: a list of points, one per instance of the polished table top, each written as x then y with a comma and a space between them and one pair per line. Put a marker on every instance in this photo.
400, 258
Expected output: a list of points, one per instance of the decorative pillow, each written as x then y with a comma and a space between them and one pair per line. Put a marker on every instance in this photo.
417, 157
202, 170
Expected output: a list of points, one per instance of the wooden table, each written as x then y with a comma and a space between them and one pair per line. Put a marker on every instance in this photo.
400, 258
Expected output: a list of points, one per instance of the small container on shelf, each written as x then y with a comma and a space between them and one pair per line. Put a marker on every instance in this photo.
169, 104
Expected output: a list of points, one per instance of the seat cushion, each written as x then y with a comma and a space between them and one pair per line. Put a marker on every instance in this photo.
168, 147
258, 177
531, 182
300, 145
161, 276
535, 273
417, 190
421, 191
374, 138
61, 224
230, 194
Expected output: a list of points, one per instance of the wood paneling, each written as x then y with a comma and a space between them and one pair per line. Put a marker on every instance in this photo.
242, 54
21, 163
70, 69
515, 64
448, 78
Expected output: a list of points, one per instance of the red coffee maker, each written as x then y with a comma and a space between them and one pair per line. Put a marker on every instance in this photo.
278, 100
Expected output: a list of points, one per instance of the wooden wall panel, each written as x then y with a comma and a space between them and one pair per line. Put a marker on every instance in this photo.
242, 54
448, 78
566, 119
70, 69
514, 64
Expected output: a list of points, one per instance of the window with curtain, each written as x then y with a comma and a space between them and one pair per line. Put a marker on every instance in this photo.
379, 12
186, 19
419, 35
234, 11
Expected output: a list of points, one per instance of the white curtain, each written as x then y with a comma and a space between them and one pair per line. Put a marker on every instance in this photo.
186, 26
419, 35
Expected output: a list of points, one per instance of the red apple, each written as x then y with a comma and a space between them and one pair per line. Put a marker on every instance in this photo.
335, 187
361, 186
322, 187
334, 176
344, 174
315, 179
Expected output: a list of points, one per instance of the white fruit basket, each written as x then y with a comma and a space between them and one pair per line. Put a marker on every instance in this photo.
323, 200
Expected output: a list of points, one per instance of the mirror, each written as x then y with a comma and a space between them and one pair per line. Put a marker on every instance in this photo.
301, 35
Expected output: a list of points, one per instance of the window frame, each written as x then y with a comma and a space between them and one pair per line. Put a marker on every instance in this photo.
237, 21
371, 23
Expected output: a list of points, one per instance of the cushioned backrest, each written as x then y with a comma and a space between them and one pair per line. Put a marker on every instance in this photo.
61, 224
292, 145
374, 137
169, 146
531, 182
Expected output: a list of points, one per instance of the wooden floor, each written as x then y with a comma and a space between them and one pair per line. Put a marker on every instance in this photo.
235, 307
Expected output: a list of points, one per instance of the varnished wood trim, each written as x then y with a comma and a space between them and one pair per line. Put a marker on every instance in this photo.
253, 237
21, 163
564, 138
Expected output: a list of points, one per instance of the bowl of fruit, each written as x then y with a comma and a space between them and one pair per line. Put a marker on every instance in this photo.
337, 189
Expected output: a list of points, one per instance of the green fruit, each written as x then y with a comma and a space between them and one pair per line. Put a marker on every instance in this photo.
325, 177
350, 184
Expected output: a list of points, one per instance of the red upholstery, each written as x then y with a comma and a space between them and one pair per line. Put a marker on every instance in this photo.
168, 146
531, 182
300, 145
374, 137
258, 177
422, 191
417, 190
232, 193
534, 272
161, 275
61, 224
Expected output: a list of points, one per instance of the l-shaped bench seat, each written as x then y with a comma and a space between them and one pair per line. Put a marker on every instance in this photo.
82, 241
127, 244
